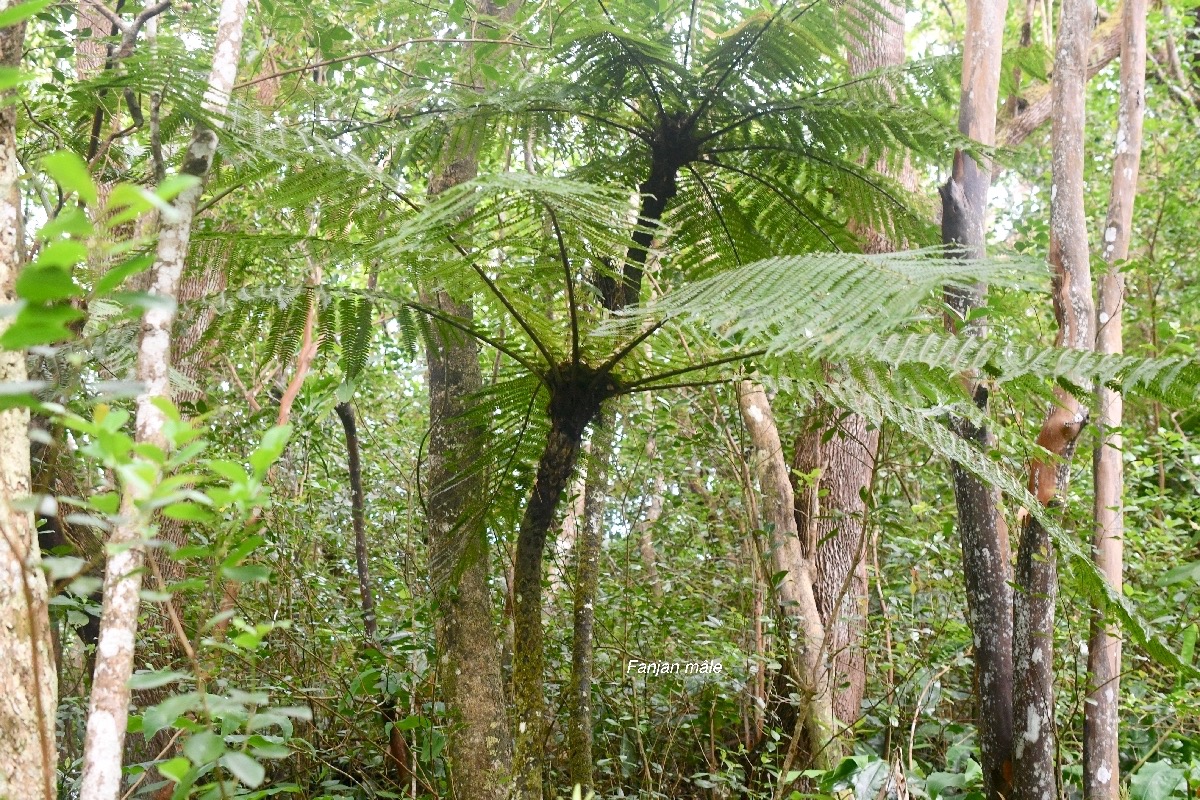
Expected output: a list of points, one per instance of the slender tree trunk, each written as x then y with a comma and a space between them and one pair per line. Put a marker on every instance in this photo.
1035, 749
480, 747
568, 535
981, 528
588, 544
795, 591
345, 413
28, 684
645, 528
1101, 763
109, 704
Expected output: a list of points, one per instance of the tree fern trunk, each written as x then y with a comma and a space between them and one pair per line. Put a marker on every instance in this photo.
1101, 763
553, 475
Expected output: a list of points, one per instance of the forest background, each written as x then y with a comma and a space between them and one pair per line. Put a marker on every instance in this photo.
381, 380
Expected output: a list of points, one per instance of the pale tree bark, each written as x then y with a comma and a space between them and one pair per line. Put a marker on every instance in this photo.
1036, 576
843, 449
645, 528
1101, 763
568, 534
588, 543
469, 663
109, 705
795, 592
28, 686
981, 528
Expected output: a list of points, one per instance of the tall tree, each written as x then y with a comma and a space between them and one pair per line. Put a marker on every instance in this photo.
1036, 573
109, 704
1101, 762
981, 528
27, 676
841, 450
460, 553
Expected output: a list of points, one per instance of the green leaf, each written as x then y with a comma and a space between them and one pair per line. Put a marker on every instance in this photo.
243, 548
71, 173
244, 768
152, 680
188, 512
1158, 780
46, 284
247, 573
38, 325
62, 567
273, 443
204, 747
14, 14
165, 713
175, 769
1181, 573
117, 275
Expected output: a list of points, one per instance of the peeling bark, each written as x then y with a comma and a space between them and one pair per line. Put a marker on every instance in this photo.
982, 532
109, 705
28, 686
1101, 762
1035, 748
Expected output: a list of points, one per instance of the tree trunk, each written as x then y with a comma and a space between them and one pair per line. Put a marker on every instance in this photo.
553, 475
795, 591
109, 704
460, 564
842, 454
843, 449
645, 528
589, 541
28, 684
1101, 764
1034, 753
982, 532
345, 413
480, 747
